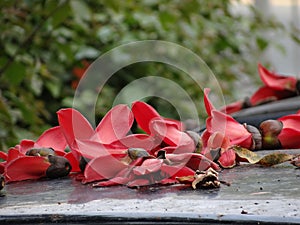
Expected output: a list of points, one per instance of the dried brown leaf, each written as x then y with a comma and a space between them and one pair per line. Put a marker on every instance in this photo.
246, 154
275, 158
269, 160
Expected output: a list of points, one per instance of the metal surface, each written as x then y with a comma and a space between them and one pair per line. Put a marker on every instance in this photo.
256, 195
273, 110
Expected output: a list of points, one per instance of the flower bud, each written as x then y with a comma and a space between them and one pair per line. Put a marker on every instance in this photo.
59, 167
270, 129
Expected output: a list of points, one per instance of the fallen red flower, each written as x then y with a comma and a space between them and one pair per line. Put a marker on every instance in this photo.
20, 165
267, 94
276, 81
226, 125
290, 134
222, 132
276, 87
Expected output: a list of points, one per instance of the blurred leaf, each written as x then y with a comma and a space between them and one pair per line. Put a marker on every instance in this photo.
262, 43
87, 52
36, 85
54, 87
296, 38
15, 73
81, 11
11, 48
26, 110
60, 15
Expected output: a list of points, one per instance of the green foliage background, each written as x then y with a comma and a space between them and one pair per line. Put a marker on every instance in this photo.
42, 41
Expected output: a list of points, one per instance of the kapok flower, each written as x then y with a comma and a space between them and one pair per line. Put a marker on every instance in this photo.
276, 87
226, 125
222, 132
37, 159
267, 94
290, 134
276, 81
281, 133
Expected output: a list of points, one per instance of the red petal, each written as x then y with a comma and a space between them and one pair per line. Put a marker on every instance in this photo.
53, 138
138, 141
148, 166
138, 183
194, 161
227, 159
74, 126
218, 140
232, 107
170, 134
289, 138
93, 149
115, 125
204, 138
180, 126
291, 121
208, 105
290, 134
177, 171
3, 155
176, 150
13, 153
26, 168
73, 161
266, 94
102, 168
276, 81
25, 145
144, 114
225, 124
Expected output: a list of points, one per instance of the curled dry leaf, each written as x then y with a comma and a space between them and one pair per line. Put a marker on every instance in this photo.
275, 158
269, 160
206, 179
246, 155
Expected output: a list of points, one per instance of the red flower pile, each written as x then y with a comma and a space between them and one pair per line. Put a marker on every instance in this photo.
111, 156
164, 154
